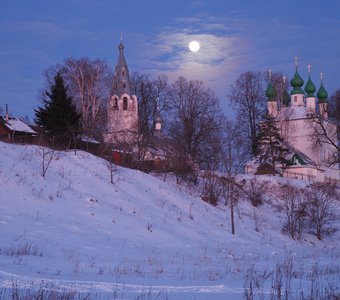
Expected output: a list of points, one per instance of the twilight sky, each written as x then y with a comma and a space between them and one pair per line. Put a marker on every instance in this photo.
235, 36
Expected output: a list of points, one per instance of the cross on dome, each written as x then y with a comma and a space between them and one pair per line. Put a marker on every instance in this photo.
309, 68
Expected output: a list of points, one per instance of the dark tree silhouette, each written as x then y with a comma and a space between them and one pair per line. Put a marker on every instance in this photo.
59, 116
195, 122
247, 97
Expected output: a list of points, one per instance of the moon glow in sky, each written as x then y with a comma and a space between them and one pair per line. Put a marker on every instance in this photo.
194, 46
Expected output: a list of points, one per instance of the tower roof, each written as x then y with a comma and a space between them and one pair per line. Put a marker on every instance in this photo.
297, 82
322, 94
158, 118
121, 78
310, 88
285, 98
271, 92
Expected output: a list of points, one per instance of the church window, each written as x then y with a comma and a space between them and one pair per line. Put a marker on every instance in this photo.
125, 103
123, 73
124, 85
295, 98
115, 103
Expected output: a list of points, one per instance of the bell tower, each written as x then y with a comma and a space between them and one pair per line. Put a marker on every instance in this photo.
123, 105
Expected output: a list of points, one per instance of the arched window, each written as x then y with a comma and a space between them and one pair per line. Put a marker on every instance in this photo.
125, 103
115, 103
124, 85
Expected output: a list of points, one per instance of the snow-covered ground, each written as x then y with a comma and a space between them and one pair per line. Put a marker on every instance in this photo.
141, 237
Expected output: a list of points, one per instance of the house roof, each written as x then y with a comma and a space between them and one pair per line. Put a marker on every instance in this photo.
296, 157
292, 156
15, 124
86, 139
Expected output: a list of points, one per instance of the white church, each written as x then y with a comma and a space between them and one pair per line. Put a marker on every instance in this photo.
300, 116
123, 105
123, 134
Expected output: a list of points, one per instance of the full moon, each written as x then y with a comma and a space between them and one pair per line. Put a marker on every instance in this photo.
194, 46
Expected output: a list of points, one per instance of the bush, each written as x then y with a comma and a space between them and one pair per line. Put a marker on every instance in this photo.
23, 249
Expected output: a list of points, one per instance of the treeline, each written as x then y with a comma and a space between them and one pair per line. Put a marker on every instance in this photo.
192, 114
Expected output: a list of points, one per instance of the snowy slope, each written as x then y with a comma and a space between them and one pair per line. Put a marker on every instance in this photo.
74, 230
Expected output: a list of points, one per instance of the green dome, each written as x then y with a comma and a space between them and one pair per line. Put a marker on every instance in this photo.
296, 81
285, 98
271, 92
322, 94
310, 88
297, 90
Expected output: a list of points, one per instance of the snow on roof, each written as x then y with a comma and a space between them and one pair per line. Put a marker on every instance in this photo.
15, 124
87, 139
294, 152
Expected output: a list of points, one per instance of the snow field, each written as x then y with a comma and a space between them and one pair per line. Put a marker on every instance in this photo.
75, 230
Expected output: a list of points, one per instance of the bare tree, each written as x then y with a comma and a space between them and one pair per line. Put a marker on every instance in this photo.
234, 148
88, 82
234, 152
248, 99
325, 135
195, 119
334, 108
113, 170
152, 95
327, 131
213, 187
293, 205
255, 190
47, 155
321, 208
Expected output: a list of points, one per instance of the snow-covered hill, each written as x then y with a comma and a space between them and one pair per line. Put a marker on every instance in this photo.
75, 232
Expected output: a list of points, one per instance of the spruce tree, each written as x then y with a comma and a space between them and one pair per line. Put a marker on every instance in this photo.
271, 145
59, 116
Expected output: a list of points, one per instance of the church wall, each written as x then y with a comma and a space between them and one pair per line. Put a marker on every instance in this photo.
120, 120
300, 133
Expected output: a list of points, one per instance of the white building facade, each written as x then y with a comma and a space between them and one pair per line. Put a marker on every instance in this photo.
122, 126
